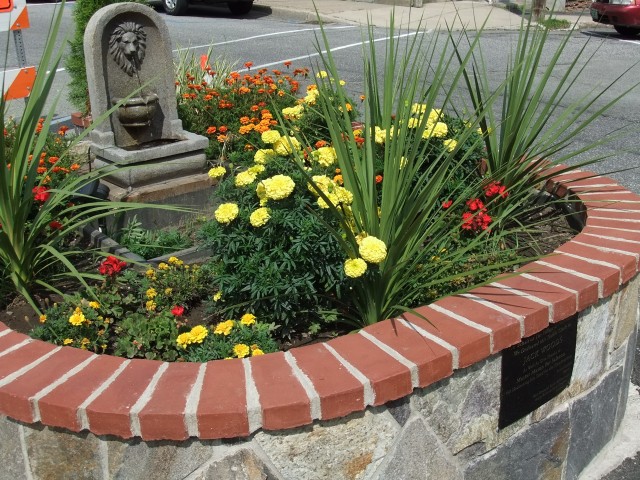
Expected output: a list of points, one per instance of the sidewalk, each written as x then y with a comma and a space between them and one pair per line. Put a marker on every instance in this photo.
432, 16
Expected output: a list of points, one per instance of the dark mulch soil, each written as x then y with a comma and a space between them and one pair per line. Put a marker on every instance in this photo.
577, 6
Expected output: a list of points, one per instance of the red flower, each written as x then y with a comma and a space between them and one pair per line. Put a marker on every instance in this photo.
111, 266
177, 310
55, 225
248, 65
62, 130
475, 204
40, 194
475, 222
494, 188
287, 63
446, 204
378, 178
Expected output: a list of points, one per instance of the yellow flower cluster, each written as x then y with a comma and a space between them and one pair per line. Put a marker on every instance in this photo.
241, 350
263, 155
335, 193
293, 113
438, 130
285, 146
450, 144
325, 156
312, 95
151, 293
77, 318
248, 319
277, 187
259, 217
372, 249
175, 261
224, 328
226, 213
196, 335
150, 305
270, 136
94, 305
217, 172
355, 267
245, 178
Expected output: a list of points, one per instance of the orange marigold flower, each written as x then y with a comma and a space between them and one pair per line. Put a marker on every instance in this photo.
222, 138
287, 63
53, 160
62, 130
41, 170
248, 65
207, 97
322, 143
277, 72
75, 167
338, 179
244, 120
223, 129
254, 108
378, 178
248, 147
211, 130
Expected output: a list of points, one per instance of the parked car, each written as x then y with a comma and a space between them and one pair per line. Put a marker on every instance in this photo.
178, 7
624, 15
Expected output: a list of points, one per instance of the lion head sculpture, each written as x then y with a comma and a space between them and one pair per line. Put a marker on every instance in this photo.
127, 46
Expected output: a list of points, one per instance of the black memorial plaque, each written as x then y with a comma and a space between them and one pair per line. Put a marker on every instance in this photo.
536, 370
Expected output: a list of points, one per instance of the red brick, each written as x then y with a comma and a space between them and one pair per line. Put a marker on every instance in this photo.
434, 362
535, 315
625, 263
163, 415
59, 408
506, 329
609, 277
595, 237
283, 400
11, 339
389, 378
21, 357
586, 290
109, 412
472, 344
222, 408
604, 202
590, 189
613, 228
15, 397
3, 327
340, 392
564, 302
614, 214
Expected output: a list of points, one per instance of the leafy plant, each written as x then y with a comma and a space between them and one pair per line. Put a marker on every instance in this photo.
151, 243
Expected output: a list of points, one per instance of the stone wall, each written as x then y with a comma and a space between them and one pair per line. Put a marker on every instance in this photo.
401, 399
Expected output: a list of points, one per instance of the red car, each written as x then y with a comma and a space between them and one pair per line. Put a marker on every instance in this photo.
624, 15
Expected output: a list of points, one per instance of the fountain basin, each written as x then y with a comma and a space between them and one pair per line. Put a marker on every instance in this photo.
137, 111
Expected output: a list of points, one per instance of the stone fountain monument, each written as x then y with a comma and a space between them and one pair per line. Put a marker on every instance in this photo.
129, 62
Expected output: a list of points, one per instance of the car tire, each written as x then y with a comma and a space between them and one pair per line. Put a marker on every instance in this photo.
627, 31
175, 7
239, 8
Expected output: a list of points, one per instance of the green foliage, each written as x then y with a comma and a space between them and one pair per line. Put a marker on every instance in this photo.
151, 243
154, 338
555, 23
75, 61
287, 271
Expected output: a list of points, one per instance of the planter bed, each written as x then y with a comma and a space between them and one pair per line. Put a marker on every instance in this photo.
397, 400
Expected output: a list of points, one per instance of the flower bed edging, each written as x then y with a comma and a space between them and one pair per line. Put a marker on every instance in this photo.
387, 362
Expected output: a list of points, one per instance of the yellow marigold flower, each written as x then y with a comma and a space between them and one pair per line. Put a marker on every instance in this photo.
259, 217
372, 249
241, 350
224, 328
435, 115
150, 305
263, 155
163, 266
256, 351
217, 296
248, 319
43, 318
325, 156
151, 293
322, 181
418, 108
175, 261
270, 136
311, 97
67, 341
217, 172
380, 135
198, 333
344, 196
355, 267
413, 122
245, 178
285, 146
226, 213
256, 169
77, 318
322, 74
94, 304
293, 113
278, 187
437, 130
150, 272
184, 339
450, 144
168, 291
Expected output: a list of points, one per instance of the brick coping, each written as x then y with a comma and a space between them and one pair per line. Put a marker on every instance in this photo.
77, 390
